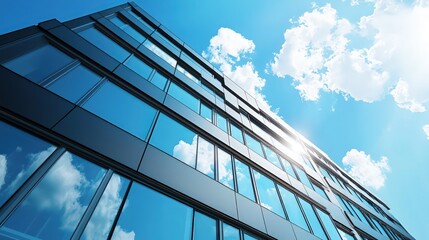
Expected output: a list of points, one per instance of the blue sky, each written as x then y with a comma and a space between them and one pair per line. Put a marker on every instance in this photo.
350, 76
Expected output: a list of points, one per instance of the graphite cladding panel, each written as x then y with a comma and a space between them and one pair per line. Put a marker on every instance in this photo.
250, 213
152, 56
118, 32
238, 146
303, 234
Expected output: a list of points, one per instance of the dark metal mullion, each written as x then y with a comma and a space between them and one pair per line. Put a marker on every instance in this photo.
119, 212
303, 213
321, 222
29, 184
255, 187
193, 223
281, 200
92, 205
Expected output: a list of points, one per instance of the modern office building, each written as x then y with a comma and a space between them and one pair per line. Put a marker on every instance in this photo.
112, 127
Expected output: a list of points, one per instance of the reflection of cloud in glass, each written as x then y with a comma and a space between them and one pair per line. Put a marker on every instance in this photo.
186, 152
205, 162
225, 168
155, 49
3, 169
121, 234
266, 206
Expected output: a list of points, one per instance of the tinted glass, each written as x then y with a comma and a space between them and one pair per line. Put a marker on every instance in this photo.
102, 218
221, 122
20, 155
303, 177
248, 237
344, 206
206, 112
204, 227
128, 29
380, 228
245, 119
138, 66
230, 233
104, 43
268, 194
184, 97
160, 53
320, 191
159, 80
140, 19
254, 145
236, 133
187, 74
288, 167
181, 145
225, 175
244, 181
292, 208
358, 213
54, 207
109, 103
272, 157
312, 219
345, 236
205, 157
329, 226
165, 42
75, 83
152, 215
39, 63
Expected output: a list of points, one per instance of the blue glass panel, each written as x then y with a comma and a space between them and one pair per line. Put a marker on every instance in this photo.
345, 236
152, 215
102, 218
104, 43
20, 155
128, 29
138, 66
54, 207
140, 19
204, 227
288, 167
303, 177
272, 157
236, 133
159, 80
312, 219
188, 74
254, 144
109, 103
344, 206
75, 83
359, 214
329, 226
184, 97
40, 63
206, 112
320, 191
268, 194
160, 53
248, 237
181, 145
244, 181
292, 208
205, 157
230, 233
225, 175
221, 122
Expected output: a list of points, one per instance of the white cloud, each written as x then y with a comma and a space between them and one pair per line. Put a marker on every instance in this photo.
401, 95
3, 169
426, 130
186, 152
205, 162
121, 234
365, 170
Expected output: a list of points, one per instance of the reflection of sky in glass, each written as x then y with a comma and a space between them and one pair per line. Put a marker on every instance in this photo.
33, 64
151, 215
159, 80
187, 74
224, 161
329, 226
288, 167
272, 157
253, 144
303, 177
236, 133
20, 155
205, 157
184, 97
204, 227
206, 112
140, 19
138, 66
230, 233
121, 109
221, 122
181, 145
312, 219
345, 236
128, 29
292, 208
320, 191
244, 182
54, 207
101, 220
158, 51
248, 237
268, 194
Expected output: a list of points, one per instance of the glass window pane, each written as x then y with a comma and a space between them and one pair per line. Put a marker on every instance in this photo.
205, 157
329, 225
138, 66
187, 74
184, 97
160, 53
159, 80
303, 177
221, 122
236, 133
54, 207
109, 103
345, 236
268, 194
292, 208
104, 43
344, 206
206, 112
39, 63
288, 167
312, 219
230, 233
75, 83
244, 181
181, 145
254, 144
359, 214
20, 155
102, 218
148, 214
245, 119
140, 19
224, 161
320, 191
272, 157
248, 237
204, 227
128, 29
